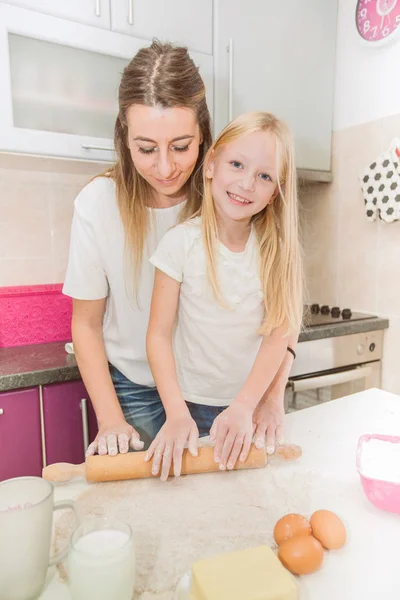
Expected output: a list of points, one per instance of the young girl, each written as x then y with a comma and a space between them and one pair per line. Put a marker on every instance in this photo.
227, 295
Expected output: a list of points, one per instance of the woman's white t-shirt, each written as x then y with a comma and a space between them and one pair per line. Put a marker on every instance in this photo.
98, 268
214, 347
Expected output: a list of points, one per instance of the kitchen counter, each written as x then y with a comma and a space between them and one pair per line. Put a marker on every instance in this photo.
38, 364
41, 364
368, 564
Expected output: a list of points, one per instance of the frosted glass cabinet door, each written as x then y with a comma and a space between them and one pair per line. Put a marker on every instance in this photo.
91, 12
80, 98
281, 59
186, 22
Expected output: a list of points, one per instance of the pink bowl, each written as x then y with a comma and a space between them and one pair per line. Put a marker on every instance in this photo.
383, 494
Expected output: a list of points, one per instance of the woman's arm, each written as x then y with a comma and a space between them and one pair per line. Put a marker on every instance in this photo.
87, 335
179, 427
232, 430
269, 414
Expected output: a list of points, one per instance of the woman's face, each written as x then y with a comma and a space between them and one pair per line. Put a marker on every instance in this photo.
164, 145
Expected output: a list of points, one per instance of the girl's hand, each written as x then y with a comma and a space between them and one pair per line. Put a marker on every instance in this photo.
115, 437
232, 432
168, 445
268, 421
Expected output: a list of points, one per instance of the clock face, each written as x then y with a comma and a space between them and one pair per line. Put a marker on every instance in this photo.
378, 20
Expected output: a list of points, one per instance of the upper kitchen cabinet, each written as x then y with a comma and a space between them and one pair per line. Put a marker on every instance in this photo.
59, 83
91, 12
279, 57
178, 21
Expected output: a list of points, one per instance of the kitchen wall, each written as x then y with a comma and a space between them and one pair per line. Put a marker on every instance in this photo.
36, 206
349, 261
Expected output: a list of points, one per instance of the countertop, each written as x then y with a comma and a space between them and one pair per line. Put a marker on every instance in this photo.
367, 566
41, 364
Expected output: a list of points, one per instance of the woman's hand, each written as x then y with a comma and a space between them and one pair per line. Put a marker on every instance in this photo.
168, 445
268, 421
115, 437
232, 432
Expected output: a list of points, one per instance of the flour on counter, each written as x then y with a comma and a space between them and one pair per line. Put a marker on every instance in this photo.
380, 459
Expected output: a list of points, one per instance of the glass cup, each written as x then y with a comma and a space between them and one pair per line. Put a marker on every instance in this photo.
101, 561
26, 517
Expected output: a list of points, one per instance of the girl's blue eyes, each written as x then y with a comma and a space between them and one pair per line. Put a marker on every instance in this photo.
239, 165
175, 148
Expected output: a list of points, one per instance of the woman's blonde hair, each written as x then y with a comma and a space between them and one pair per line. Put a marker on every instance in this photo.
159, 75
276, 226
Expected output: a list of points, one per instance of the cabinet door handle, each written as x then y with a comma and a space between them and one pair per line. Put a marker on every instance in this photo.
130, 12
97, 8
94, 147
85, 424
229, 49
1, 411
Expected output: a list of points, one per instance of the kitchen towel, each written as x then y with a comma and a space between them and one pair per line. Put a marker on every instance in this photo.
380, 183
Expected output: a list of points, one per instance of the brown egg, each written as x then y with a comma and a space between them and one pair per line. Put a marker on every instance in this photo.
301, 554
328, 529
290, 526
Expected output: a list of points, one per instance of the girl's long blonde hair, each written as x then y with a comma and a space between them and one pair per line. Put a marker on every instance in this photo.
276, 227
159, 75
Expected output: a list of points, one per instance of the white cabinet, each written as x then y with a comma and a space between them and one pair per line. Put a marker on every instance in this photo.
59, 82
184, 22
279, 57
91, 12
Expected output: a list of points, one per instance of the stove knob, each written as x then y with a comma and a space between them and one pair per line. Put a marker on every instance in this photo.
360, 349
346, 313
314, 309
335, 312
325, 310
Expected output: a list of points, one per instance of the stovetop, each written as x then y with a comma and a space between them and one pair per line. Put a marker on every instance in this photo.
316, 315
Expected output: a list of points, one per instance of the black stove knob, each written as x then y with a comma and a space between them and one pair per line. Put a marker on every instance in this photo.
314, 309
335, 312
346, 313
325, 310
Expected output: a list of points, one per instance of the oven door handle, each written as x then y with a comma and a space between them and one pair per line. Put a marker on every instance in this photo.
313, 383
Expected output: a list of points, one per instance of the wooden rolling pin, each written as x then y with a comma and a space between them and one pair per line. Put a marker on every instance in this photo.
133, 466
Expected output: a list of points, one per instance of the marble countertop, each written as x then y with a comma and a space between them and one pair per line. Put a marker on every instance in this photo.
41, 364
38, 364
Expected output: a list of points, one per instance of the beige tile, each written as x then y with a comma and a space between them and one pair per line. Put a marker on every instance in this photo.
62, 197
25, 271
26, 162
24, 223
388, 265
59, 267
391, 358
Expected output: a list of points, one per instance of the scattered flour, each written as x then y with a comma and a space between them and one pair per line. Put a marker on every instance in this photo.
380, 459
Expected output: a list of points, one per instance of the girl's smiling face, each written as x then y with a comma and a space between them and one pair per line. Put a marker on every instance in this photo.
244, 176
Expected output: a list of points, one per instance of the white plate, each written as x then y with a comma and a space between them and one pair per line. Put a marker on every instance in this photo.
182, 591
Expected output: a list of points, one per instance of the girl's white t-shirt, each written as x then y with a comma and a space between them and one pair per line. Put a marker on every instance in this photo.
98, 268
214, 347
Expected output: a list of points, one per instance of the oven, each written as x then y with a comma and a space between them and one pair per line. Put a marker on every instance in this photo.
333, 367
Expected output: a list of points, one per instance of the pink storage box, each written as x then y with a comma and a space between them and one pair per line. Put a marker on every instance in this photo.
34, 315
382, 494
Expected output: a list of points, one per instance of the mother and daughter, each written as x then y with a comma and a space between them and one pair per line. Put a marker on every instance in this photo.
185, 273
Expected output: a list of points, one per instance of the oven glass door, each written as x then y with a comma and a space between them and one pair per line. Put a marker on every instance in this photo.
311, 390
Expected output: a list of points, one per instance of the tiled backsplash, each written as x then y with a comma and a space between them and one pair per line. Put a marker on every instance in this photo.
36, 206
351, 262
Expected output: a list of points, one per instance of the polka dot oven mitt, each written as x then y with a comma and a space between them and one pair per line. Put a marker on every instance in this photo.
380, 183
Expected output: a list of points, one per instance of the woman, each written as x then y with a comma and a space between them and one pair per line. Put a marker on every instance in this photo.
162, 134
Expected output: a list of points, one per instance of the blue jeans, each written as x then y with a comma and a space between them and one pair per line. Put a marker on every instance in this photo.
143, 409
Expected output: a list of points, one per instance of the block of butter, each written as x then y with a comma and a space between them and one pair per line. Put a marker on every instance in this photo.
251, 574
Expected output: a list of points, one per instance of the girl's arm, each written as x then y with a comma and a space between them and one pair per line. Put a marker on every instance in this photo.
115, 434
179, 426
269, 414
232, 430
